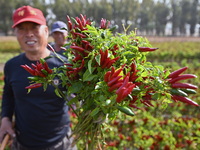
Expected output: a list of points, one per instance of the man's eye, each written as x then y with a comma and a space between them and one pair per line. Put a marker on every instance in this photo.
35, 26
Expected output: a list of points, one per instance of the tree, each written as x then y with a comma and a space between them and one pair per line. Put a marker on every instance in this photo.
193, 15
185, 15
5, 15
175, 19
145, 17
128, 13
161, 12
61, 8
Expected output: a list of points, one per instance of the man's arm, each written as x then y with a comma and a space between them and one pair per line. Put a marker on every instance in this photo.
6, 127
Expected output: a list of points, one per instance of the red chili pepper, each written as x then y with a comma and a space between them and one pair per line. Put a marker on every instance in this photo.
85, 42
110, 63
116, 58
70, 25
130, 87
39, 73
77, 58
184, 99
105, 63
68, 18
123, 91
133, 67
177, 72
147, 103
112, 70
46, 67
184, 85
107, 76
116, 73
68, 64
33, 86
70, 68
104, 57
39, 66
182, 77
80, 24
29, 69
34, 66
80, 34
102, 24
51, 48
115, 86
79, 49
125, 82
133, 106
83, 19
82, 65
133, 77
120, 95
113, 80
146, 49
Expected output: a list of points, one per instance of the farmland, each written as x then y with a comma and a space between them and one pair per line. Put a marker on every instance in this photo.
175, 127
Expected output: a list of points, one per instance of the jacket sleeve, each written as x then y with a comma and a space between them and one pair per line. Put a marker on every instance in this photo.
8, 96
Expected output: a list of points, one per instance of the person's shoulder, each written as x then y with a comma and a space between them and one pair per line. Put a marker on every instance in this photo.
13, 63
15, 59
56, 58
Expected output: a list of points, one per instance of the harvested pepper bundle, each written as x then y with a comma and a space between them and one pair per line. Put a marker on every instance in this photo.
110, 75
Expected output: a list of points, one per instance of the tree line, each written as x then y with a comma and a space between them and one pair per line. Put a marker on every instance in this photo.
147, 17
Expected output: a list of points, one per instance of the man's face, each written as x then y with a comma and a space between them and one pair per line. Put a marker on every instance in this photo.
32, 37
59, 37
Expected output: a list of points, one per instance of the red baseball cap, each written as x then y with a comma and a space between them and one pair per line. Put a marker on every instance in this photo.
28, 13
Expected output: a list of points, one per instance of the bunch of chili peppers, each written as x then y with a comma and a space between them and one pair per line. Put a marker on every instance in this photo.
109, 74
38, 71
180, 91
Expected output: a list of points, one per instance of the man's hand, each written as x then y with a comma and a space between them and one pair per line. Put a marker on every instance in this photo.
6, 127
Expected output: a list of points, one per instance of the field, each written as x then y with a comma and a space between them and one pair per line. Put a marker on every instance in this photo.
175, 128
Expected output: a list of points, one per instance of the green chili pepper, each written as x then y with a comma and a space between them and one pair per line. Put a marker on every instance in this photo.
126, 110
35, 78
178, 92
103, 35
42, 60
189, 91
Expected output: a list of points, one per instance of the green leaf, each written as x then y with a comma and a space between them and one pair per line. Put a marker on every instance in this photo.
94, 111
76, 87
57, 93
87, 76
98, 59
45, 86
90, 66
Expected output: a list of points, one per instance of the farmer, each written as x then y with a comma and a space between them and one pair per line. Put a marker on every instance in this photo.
59, 33
41, 118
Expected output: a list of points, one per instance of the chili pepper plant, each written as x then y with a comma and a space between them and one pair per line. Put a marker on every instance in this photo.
109, 74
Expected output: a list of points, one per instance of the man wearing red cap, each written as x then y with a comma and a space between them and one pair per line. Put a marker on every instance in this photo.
41, 118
